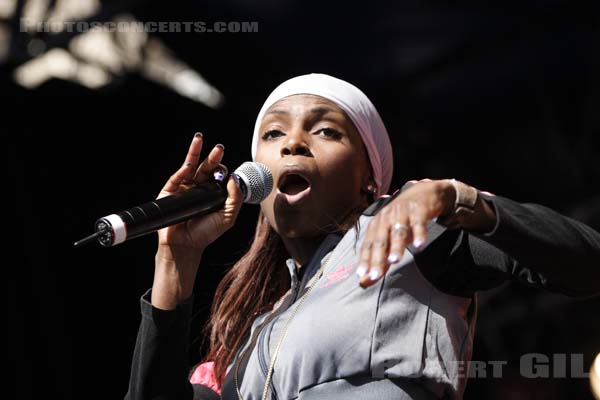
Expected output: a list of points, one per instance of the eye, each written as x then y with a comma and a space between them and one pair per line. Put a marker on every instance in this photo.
271, 134
330, 133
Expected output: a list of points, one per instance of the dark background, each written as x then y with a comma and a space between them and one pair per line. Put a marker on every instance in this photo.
504, 97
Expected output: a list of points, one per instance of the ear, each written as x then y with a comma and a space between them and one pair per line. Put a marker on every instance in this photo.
369, 190
369, 186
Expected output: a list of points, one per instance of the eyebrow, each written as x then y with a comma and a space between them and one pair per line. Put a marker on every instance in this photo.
320, 110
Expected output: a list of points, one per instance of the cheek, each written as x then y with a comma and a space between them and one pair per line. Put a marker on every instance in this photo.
267, 156
345, 170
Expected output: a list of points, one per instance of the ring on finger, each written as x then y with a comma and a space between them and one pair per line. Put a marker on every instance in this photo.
399, 229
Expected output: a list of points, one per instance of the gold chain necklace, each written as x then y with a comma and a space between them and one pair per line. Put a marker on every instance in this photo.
315, 279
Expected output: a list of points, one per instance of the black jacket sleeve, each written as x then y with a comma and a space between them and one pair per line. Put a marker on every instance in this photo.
160, 367
530, 243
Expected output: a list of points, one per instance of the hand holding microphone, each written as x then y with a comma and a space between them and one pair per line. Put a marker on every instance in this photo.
180, 246
197, 233
193, 209
191, 192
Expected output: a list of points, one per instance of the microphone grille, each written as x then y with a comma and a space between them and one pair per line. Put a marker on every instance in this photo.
257, 179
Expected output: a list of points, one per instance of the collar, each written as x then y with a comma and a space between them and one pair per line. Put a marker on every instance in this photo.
312, 266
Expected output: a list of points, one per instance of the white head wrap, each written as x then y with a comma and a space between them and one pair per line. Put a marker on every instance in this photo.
356, 105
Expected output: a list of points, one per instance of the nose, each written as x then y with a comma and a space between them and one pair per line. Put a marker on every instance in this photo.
295, 144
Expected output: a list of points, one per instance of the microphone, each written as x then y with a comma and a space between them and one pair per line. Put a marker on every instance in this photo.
253, 179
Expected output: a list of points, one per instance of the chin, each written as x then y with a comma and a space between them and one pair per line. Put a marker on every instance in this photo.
295, 226
294, 222
305, 226
304, 220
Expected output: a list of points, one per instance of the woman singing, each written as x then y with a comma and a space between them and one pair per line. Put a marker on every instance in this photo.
345, 292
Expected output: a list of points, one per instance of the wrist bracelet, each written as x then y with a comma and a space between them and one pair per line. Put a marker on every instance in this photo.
464, 205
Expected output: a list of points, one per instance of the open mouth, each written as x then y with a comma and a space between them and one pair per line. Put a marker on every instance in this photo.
293, 184
293, 188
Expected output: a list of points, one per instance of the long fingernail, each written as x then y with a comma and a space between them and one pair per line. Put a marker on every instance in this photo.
220, 146
361, 270
393, 258
374, 274
198, 134
418, 242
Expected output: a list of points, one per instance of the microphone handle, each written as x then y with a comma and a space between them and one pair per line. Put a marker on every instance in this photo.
154, 215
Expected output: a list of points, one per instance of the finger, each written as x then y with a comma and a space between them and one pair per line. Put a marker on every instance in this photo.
186, 171
234, 201
399, 237
378, 244
419, 232
364, 258
400, 232
210, 163
235, 195
193, 155
225, 218
418, 223
378, 265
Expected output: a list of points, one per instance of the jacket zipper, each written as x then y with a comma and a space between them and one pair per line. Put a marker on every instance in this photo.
262, 353
262, 358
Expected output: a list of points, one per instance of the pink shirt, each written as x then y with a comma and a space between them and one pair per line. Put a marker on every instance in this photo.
204, 375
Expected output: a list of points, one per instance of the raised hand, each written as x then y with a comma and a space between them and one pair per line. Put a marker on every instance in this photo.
400, 222
180, 246
199, 232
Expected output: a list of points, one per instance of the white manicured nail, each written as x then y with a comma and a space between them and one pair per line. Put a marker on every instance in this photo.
393, 258
361, 270
374, 274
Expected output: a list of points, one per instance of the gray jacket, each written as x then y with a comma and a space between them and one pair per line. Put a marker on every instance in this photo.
377, 339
